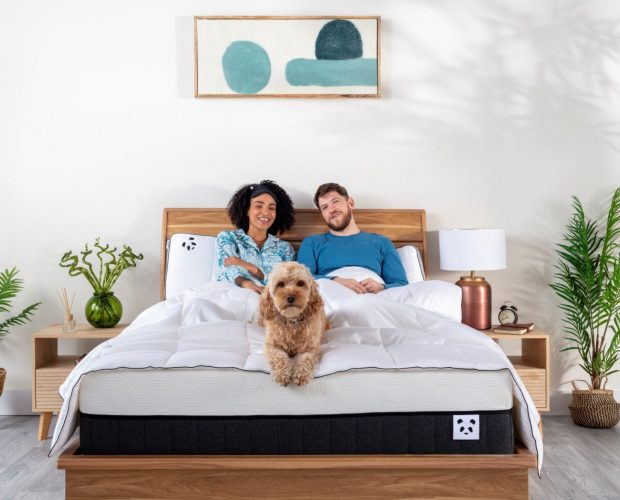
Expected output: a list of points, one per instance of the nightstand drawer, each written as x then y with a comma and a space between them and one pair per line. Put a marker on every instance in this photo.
536, 384
48, 399
47, 381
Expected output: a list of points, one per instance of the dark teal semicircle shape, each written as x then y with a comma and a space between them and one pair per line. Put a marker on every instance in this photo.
338, 39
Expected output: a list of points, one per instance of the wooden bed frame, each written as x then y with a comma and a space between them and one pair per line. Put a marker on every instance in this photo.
297, 476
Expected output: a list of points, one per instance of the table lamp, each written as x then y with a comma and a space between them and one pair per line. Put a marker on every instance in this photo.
473, 250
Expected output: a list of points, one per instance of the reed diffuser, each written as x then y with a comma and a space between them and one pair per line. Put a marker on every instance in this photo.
69, 324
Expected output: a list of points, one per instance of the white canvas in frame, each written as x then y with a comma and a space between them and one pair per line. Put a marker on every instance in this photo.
287, 56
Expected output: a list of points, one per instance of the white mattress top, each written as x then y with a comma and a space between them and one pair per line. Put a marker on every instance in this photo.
228, 392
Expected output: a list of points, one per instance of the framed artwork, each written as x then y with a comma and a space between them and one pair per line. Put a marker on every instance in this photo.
322, 56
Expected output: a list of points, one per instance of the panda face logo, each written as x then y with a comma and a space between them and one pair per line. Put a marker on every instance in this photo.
466, 428
189, 244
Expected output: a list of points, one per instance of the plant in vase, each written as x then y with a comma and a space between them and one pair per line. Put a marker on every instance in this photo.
10, 286
103, 310
588, 283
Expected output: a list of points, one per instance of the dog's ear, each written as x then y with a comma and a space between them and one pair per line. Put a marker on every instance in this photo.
266, 306
315, 302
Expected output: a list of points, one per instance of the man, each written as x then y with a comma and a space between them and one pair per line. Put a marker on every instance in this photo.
345, 245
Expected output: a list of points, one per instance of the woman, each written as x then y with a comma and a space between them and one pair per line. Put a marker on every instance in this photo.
247, 254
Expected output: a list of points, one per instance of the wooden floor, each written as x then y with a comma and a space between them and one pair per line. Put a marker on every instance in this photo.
579, 463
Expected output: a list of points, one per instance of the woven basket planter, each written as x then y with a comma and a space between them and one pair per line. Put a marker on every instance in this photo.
2, 379
594, 408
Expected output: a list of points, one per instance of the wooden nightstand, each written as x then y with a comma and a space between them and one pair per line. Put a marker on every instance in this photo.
49, 370
533, 364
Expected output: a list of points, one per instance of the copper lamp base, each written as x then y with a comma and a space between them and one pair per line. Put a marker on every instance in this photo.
476, 302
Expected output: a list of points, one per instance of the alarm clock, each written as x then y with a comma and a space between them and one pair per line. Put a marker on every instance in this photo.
507, 314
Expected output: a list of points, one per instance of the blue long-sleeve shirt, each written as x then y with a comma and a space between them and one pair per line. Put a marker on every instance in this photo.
238, 244
324, 253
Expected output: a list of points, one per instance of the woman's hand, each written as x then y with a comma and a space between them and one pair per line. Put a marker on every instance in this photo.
251, 268
249, 284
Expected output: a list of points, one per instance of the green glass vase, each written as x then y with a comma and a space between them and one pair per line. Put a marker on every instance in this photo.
104, 310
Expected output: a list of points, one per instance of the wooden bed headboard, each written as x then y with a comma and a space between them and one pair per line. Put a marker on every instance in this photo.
403, 227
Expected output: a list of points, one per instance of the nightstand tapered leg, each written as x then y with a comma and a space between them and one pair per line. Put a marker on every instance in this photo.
44, 425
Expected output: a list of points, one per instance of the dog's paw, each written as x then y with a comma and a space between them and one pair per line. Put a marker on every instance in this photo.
282, 377
301, 376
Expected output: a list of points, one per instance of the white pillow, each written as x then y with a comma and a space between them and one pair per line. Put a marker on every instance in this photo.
192, 262
412, 262
356, 273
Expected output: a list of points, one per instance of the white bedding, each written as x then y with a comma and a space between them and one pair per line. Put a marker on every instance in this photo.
210, 328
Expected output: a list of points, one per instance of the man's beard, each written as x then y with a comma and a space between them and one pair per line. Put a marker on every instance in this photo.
343, 225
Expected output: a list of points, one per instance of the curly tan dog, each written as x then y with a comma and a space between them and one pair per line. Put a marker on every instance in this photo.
292, 311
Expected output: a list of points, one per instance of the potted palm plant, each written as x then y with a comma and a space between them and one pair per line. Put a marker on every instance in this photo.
587, 280
10, 286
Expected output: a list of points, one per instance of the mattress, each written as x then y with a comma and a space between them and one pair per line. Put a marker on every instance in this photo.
226, 392
234, 411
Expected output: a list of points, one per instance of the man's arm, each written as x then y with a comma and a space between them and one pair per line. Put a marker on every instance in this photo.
307, 257
393, 272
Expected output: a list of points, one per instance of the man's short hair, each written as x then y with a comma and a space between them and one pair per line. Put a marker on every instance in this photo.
328, 187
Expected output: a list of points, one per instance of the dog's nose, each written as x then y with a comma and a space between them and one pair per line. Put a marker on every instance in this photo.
290, 299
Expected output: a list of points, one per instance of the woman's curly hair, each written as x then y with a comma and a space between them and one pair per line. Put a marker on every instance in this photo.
239, 205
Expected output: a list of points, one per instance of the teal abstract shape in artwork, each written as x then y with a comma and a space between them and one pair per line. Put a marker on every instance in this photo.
338, 39
246, 66
329, 73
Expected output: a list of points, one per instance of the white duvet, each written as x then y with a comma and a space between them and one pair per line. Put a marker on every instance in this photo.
212, 327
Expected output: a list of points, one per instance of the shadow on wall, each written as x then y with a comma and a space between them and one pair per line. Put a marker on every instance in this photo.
532, 75
185, 56
532, 80
432, 247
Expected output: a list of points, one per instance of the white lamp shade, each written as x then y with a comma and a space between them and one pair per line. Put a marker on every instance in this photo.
472, 249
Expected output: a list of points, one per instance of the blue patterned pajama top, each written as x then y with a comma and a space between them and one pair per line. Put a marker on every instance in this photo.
238, 244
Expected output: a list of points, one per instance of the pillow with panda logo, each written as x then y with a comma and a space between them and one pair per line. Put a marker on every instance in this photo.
192, 262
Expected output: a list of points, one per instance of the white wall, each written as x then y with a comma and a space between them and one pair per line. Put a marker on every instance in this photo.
493, 114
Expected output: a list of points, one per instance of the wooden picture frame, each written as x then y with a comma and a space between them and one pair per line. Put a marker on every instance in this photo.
287, 56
